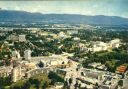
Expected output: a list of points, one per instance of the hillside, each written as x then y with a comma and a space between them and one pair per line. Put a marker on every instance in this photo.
22, 16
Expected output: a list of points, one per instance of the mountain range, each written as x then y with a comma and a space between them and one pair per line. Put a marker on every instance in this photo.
28, 17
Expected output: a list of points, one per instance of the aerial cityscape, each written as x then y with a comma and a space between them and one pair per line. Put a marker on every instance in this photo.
58, 47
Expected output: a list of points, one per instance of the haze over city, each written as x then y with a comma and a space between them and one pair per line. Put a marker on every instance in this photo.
84, 7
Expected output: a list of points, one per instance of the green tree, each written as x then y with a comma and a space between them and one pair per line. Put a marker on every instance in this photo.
120, 83
70, 81
41, 64
55, 78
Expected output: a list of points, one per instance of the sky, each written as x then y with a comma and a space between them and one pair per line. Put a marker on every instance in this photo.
84, 7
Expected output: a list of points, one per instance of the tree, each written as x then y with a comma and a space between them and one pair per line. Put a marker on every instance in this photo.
82, 73
5, 81
65, 85
79, 86
76, 85
55, 78
44, 85
70, 81
41, 64
120, 83
18, 85
97, 86
27, 85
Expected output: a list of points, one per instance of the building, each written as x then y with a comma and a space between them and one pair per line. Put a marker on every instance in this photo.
114, 43
27, 54
76, 38
71, 32
29, 65
54, 60
13, 37
94, 65
5, 71
82, 47
59, 85
62, 35
99, 46
16, 73
109, 83
125, 84
22, 38
92, 76
15, 54
2, 29
98, 66
121, 69
33, 72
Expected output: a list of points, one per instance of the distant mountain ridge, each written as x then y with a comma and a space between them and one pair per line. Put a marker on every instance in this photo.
22, 17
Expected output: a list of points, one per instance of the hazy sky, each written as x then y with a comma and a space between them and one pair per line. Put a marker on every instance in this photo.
84, 7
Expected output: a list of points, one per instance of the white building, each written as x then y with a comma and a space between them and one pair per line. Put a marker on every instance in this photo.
99, 46
93, 76
13, 37
59, 85
114, 43
53, 60
76, 38
15, 54
125, 84
82, 47
16, 74
109, 83
62, 35
6, 29
71, 32
5, 71
22, 38
27, 54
